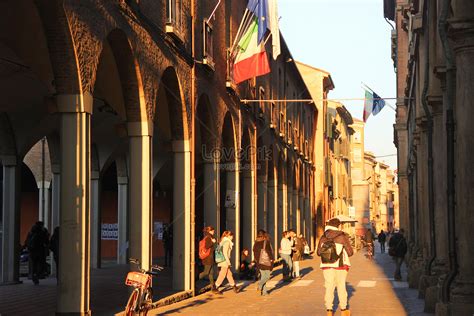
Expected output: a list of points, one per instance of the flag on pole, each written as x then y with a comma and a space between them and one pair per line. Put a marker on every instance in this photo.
274, 27
251, 59
373, 104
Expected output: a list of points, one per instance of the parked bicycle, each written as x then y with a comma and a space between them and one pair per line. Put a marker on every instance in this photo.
141, 298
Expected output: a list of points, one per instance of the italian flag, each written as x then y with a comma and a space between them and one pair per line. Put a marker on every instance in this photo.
251, 59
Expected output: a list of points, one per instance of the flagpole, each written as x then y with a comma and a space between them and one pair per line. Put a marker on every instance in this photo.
389, 105
246, 20
239, 30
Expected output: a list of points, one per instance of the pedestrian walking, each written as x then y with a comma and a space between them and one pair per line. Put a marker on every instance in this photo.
398, 249
263, 253
382, 237
335, 248
225, 246
37, 243
285, 254
168, 244
207, 246
369, 243
54, 247
298, 251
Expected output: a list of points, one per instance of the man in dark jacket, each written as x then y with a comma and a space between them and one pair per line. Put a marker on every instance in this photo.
382, 237
398, 249
37, 243
209, 262
335, 273
263, 253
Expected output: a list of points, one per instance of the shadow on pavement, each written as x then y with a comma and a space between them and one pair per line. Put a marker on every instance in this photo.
192, 304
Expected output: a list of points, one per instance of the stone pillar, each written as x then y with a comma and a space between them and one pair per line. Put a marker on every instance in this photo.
289, 206
44, 204
122, 209
233, 213
11, 221
140, 192
295, 211
55, 196
273, 223
300, 214
248, 219
96, 223
262, 202
73, 295
282, 207
308, 220
462, 32
211, 195
182, 216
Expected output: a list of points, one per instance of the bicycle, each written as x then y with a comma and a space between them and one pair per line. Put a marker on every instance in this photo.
141, 298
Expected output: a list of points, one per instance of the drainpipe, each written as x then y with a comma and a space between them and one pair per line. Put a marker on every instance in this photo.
450, 91
193, 152
429, 117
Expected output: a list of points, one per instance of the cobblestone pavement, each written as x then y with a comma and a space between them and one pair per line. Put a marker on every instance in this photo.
370, 284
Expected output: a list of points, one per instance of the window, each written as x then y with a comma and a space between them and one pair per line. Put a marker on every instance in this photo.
289, 133
174, 18
272, 115
207, 45
296, 138
282, 124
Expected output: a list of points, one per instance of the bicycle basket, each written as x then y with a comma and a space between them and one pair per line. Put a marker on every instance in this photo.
137, 279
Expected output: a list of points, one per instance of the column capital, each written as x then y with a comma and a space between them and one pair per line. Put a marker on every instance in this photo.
122, 180
74, 103
143, 128
95, 175
181, 146
9, 160
461, 31
436, 104
56, 168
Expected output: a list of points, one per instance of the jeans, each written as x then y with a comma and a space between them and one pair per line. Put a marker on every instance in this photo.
398, 262
209, 272
224, 273
334, 278
382, 247
287, 265
262, 283
296, 268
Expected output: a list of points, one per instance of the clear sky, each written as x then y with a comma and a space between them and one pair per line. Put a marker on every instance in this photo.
351, 40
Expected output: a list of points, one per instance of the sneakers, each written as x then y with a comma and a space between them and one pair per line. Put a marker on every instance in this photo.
345, 312
236, 289
215, 290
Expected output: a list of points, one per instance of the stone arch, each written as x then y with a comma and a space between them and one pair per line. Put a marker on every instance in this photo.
172, 90
130, 76
7, 138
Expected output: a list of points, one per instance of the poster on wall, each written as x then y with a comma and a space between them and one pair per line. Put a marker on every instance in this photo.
158, 230
109, 231
230, 197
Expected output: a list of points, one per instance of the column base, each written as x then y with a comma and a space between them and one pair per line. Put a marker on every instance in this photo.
431, 298
453, 309
425, 282
11, 283
88, 313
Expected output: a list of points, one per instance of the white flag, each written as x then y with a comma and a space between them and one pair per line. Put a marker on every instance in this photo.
273, 26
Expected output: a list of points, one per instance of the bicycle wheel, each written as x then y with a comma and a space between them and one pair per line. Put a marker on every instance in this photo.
147, 301
132, 303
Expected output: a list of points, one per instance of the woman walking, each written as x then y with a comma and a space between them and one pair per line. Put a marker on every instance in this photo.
263, 253
298, 255
285, 254
226, 245
206, 254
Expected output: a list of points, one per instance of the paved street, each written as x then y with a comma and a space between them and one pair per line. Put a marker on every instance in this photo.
372, 291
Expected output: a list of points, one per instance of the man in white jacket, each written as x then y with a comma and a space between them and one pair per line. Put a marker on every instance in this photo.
335, 273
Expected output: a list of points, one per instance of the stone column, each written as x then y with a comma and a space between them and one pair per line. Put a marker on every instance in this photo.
295, 225
248, 219
55, 196
262, 202
140, 135
282, 207
233, 213
462, 32
44, 204
289, 205
273, 223
11, 221
300, 214
182, 216
122, 208
73, 294
96, 223
211, 195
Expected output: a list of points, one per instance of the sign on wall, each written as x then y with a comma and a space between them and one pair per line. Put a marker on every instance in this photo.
230, 197
158, 230
109, 231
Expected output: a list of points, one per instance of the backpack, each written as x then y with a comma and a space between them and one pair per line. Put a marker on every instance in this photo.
329, 253
219, 254
264, 258
203, 251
